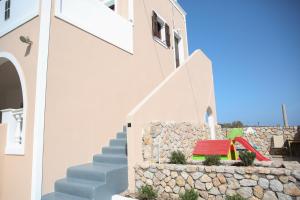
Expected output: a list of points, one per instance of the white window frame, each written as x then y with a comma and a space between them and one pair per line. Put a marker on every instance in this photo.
178, 35
162, 40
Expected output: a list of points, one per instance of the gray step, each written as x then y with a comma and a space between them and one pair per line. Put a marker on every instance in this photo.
118, 142
110, 158
61, 196
114, 150
78, 187
90, 171
121, 135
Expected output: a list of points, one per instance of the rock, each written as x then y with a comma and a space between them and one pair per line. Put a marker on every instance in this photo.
230, 192
163, 183
258, 191
296, 174
180, 181
222, 189
160, 175
174, 174
214, 191
205, 179
284, 179
166, 172
240, 170
212, 175
197, 175
190, 181
245, 192
269, 195
172, 183
291, 189
283, 196
238, 176
156, 181
167, 179
174, 196
232, 183
203, 194
248, 182
278, 171
187, 187
208, 186
176, 189
199, 185
216, 182
228, 175
191, 168
168, 189
254, 177
184, 175
149, 182
148, 175
139, 184
270, 177
276, 186
264, 183
292, 179
221, 178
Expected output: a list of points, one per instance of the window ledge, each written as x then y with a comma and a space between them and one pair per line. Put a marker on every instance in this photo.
160, 42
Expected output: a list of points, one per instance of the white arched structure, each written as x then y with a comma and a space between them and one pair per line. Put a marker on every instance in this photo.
18, 148
210, 121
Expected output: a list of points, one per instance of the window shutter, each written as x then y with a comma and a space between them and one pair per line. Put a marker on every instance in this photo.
168, 37
154, 24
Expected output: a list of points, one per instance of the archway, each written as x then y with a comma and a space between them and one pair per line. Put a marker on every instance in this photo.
210, 121
12, 103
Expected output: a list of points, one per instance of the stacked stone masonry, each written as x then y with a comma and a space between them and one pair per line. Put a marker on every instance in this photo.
215, 182
161, 138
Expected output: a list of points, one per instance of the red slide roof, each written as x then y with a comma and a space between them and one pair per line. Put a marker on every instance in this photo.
212, 147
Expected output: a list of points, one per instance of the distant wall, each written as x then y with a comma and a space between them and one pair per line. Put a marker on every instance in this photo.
170, 136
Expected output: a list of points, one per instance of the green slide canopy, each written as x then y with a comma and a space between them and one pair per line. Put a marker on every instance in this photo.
235, 132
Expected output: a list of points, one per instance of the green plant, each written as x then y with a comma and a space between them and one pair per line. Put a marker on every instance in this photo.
177, 157
235, 197
247, 157
147, 193
189, 195
212, 160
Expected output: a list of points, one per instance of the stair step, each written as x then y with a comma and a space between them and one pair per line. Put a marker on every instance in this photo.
61, 196
78, 187
121, 135
110, 158
118, 142
90, 171
114, 150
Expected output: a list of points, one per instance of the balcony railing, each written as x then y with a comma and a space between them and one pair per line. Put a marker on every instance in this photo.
13, 118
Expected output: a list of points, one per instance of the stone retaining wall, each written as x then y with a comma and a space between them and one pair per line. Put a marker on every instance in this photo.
215, 182
171, 136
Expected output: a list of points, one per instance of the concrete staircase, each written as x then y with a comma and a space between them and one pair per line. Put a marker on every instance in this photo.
105, 176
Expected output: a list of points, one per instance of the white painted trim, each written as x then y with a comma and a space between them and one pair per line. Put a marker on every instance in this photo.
178, 7
39, 115
130, 10
180, 48
13, 60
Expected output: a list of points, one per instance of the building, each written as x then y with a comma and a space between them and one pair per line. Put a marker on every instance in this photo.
74, 72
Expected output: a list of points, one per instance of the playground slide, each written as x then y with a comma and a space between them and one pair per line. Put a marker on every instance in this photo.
248, 146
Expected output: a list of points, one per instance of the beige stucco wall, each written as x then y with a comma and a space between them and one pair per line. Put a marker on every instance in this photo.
15, 171
92, 86
184, 96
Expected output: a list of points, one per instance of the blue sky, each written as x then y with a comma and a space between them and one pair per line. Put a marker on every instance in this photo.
255, 49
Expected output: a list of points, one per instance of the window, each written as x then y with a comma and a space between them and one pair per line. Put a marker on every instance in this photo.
160, 30
7, 10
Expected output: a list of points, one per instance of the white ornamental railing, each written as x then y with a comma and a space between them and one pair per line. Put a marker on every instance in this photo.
13, 118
